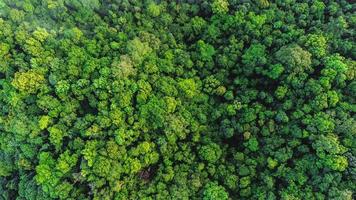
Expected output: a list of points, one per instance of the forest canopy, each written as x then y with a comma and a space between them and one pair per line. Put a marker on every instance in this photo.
186, 99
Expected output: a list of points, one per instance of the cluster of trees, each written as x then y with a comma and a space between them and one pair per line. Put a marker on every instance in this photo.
213, 100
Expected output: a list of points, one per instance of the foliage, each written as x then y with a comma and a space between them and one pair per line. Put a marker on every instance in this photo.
214, 100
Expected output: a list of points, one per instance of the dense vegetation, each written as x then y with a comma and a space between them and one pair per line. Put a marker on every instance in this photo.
212, 100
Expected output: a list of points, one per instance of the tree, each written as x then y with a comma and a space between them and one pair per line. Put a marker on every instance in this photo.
214, 191
206, 51
138, 50
316, 44
220, 6
294, 58
28, 82
189, 87
210, 153
275, 71
254, 57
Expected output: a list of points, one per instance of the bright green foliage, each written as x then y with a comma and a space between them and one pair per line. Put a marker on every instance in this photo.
4, 49
40, 34
220, 6
154, 9
263, 3
188, 87
214, 191
275, 71
329, 150
43, 122
56, 135
271, 163
252, 144
281, 92
28, 82
316, 44
210, 153
138, 50
214, 100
